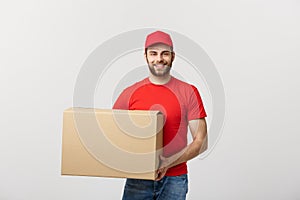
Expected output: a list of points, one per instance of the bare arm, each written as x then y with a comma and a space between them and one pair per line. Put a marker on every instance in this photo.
198, 129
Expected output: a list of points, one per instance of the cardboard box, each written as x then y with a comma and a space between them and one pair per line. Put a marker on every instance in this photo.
111, 143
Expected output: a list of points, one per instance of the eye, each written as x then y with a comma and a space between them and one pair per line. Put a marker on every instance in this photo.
152, 53
166, 53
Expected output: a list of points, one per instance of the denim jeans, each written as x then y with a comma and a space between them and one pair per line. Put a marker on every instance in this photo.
168, 188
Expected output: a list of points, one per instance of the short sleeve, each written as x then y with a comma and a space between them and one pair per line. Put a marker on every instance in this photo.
195, 105
123, 100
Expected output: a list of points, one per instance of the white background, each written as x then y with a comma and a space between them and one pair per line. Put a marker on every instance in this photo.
254, 44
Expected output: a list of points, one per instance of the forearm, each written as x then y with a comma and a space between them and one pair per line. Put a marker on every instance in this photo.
199, 145
189, 152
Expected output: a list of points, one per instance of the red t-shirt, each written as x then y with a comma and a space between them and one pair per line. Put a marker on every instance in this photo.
180, 102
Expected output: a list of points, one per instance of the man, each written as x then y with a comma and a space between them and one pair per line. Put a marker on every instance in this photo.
182, 107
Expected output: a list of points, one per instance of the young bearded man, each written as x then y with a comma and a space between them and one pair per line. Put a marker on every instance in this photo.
182, 107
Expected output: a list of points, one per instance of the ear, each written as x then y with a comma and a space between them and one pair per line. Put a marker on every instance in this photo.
145, 56
173, 56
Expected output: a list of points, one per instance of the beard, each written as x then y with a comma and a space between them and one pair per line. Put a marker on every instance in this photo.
161, 72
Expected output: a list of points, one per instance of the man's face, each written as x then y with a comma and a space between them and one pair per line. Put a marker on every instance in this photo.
159, 58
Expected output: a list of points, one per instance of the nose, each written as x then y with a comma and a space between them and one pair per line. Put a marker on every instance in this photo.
159, 58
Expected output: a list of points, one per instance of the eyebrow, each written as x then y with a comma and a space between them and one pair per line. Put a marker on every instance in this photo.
154, 51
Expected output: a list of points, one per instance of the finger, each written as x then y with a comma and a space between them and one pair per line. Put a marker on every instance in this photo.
159, 177
162, 169
161, 174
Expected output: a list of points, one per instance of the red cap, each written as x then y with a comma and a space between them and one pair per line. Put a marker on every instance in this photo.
158, 37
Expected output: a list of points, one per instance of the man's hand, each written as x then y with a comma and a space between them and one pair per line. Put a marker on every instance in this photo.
164, 166
199, 145
168, 162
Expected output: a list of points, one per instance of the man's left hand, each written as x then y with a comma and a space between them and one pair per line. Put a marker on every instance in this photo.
164, 166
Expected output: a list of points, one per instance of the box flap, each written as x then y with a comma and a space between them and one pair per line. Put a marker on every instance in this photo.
89, 110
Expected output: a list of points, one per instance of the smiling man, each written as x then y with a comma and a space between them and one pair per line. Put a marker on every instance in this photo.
159, 58
182, 107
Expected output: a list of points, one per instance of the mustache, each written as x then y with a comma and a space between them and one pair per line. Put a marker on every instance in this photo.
161, 63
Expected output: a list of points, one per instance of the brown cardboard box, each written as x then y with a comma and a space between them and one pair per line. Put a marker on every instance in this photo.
111, 143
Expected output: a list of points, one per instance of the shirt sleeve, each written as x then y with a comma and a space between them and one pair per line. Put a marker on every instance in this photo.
195, 105
123, 101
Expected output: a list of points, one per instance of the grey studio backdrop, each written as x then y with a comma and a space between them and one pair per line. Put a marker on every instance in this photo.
254, 46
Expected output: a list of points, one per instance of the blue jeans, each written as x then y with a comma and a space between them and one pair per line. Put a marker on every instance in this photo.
168, 188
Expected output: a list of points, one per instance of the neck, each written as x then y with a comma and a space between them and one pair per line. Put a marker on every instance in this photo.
159, 80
